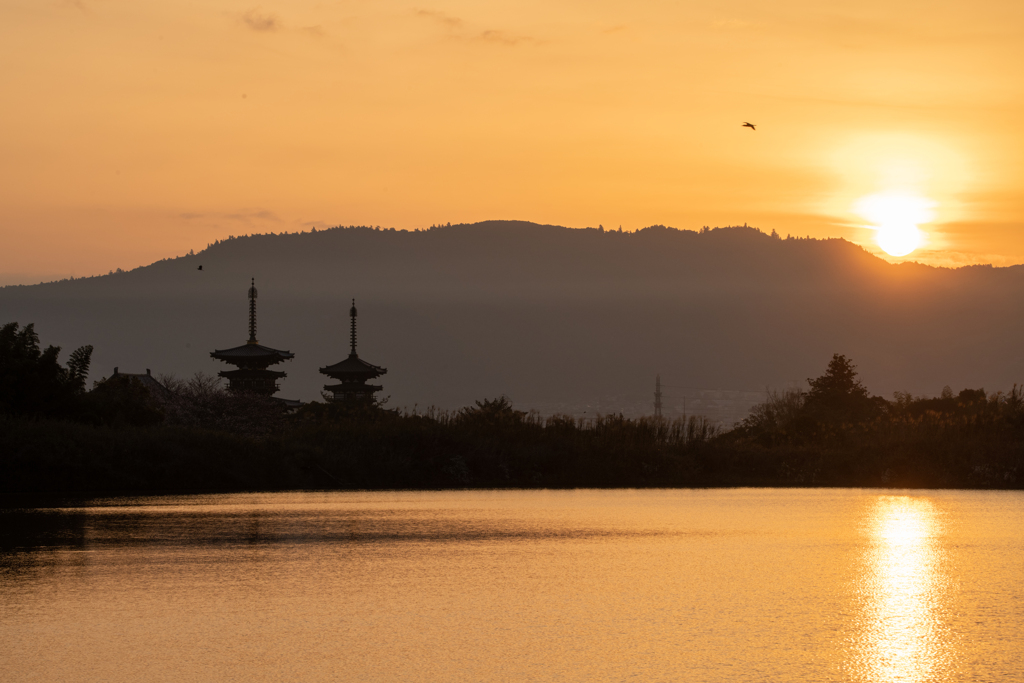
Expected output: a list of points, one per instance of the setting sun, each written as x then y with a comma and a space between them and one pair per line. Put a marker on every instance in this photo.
896, 218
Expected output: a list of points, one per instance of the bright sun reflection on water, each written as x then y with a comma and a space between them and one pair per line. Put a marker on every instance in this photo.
903, 637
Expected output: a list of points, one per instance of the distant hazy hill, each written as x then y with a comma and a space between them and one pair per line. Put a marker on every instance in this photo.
549, 315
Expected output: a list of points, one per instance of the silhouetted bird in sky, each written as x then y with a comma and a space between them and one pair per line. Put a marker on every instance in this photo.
200, 268
749, 125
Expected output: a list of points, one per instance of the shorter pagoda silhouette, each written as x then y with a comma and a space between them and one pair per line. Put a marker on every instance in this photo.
252, 360
353, 373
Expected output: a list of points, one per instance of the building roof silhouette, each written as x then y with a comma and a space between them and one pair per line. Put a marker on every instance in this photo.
252, 352
156, 389
353, 367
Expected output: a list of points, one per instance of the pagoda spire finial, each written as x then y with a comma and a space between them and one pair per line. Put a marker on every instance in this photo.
252, 313
352, 314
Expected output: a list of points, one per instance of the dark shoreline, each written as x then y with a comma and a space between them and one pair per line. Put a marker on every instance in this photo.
12, 501
64, 460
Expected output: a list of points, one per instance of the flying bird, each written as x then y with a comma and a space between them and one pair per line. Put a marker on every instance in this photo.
200, 268
749, 125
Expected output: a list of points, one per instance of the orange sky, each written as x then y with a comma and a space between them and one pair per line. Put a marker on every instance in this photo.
134, 131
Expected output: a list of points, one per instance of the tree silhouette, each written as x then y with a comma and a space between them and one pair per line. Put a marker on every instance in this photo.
32, 382
838, 394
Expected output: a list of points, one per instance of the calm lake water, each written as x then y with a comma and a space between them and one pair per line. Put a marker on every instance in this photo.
680, 585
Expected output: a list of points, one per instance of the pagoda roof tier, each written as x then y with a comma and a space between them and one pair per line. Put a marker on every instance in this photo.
251, 373
353, 388
353, 368
250, 353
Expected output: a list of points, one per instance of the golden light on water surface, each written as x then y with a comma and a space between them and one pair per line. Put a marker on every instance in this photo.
903, 636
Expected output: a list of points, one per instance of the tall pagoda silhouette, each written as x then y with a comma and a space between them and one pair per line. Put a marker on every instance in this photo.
353, 373
252, 360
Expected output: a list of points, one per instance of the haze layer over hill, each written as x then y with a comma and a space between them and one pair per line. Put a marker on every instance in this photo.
550, 316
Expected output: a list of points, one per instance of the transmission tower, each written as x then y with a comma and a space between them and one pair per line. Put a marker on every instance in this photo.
657, 397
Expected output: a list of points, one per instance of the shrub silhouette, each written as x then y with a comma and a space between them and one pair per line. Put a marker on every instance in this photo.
121, 400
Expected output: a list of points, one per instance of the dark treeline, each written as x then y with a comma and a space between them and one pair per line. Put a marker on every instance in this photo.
119, 437
837, 434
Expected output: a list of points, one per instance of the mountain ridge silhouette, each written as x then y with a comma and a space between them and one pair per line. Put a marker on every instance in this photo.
547, 314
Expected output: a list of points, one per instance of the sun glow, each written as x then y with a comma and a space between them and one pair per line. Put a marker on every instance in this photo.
895, 218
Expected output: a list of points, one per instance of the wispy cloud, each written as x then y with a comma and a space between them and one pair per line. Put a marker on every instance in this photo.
260, 21
440, 17
248, 216
314, 31
241, 216
265, 22
505, 38
461, 30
